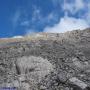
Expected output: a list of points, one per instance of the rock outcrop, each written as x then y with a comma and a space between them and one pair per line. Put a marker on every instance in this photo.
46, 61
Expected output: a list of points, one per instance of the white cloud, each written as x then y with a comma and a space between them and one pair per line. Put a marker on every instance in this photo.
16, 18
79, 4
17, 37
51, 17
87, 14
74, 6
67, 24
25, 23
36, 15
30, 31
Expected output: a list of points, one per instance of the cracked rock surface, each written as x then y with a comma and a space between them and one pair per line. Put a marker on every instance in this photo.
59, 61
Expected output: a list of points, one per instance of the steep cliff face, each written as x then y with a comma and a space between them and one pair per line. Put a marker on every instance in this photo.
46, 61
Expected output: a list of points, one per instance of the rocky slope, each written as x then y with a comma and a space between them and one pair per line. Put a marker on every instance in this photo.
46, 61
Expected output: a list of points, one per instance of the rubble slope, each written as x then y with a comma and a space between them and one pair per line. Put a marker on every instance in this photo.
46, 61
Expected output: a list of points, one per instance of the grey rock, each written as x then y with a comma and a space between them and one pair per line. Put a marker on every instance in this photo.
62, 76
46, 61
78, 83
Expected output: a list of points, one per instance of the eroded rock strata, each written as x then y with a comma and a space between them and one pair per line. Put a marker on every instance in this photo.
46, 61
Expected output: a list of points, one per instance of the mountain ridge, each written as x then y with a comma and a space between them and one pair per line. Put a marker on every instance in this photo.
51, 61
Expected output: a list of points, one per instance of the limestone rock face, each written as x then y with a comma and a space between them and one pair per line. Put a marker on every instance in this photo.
46, 61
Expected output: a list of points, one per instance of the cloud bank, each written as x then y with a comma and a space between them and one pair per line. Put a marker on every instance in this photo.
74, 14
68, 23
73, 7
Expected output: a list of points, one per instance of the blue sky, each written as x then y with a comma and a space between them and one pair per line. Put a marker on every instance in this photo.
20, 17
